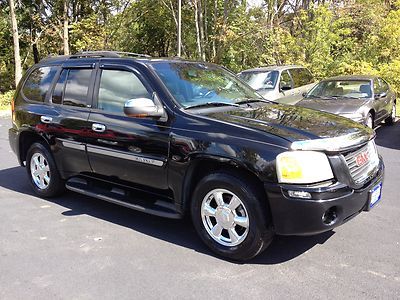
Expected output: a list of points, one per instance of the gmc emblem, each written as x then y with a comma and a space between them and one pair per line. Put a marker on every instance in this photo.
362, 158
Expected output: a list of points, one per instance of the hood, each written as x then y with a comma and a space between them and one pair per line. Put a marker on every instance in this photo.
334, 106
294, 123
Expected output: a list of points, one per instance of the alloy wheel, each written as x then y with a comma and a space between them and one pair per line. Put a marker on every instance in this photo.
40, 171
225, 217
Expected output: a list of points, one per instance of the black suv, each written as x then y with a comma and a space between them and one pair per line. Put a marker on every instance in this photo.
173, 137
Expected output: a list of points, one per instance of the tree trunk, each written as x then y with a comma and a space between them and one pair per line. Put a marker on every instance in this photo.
17, 56
196, 20
201, 26
214, 43
65, 29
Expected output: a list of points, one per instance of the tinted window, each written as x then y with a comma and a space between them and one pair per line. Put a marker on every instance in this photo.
301, 77
76, 89
117, 87
59, 88
38, 83
260, 80
286, 81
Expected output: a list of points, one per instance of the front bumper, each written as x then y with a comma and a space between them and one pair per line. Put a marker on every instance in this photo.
293, 216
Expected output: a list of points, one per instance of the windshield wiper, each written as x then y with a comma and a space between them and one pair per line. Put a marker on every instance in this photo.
212, 104
254, 100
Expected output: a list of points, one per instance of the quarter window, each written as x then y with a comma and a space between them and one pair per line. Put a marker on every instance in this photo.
117, 87
77, 87
38, 83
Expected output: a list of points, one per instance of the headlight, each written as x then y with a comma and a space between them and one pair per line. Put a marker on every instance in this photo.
353, 116
303, 167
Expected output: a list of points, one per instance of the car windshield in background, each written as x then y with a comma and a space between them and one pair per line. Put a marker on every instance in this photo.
195, 84
260, 80
342, 89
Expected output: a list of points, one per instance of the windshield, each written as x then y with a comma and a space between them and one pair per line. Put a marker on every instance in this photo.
260, 80
342, 89
193, 84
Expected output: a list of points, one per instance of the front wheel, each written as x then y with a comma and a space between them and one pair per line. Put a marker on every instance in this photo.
370, 121
392, 118
231, 216
42, 171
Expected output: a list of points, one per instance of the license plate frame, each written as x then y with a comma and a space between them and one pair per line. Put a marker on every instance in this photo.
375, 195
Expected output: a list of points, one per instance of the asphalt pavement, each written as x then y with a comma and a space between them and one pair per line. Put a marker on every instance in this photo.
76, 247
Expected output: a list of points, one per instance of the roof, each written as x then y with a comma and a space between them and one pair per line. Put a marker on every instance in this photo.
273, 68
351, 77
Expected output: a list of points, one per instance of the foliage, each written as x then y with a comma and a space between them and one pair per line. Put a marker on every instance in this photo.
336, 37
5, 99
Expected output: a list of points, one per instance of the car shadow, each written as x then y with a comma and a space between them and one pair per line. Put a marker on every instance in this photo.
388, 136
179, 232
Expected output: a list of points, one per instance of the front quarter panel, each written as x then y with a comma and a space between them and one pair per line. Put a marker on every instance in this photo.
197, 140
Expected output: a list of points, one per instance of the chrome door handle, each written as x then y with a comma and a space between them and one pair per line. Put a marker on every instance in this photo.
98, 127
46, 119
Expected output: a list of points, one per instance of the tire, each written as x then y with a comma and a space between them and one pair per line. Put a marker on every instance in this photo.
392, 118
369, 122
207, 216
46, 181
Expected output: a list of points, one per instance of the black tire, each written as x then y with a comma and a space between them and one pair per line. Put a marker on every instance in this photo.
259, 234
369, 120
392, 118
56, 184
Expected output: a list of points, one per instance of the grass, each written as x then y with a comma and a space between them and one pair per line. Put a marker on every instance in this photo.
398, 108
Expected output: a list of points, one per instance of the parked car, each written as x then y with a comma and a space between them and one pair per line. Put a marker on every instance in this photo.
367, 100
283, 84
172, 137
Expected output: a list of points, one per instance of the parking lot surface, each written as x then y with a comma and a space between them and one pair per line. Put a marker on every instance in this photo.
82, 248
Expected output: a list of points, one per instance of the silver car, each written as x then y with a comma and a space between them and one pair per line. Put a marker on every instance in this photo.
364, 99
283, 84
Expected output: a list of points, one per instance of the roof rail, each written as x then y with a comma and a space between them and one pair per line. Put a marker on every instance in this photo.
114, 54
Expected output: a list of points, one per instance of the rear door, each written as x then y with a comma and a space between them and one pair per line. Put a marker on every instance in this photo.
131, 149
68, 120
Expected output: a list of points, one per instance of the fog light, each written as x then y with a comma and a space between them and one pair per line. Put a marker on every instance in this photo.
330, 216
299, 194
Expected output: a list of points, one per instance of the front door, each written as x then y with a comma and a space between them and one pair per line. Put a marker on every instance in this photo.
128, 148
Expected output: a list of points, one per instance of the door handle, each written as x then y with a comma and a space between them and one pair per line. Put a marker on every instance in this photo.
46, 119
98, 127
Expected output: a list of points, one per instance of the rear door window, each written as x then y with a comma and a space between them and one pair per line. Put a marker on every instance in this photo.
38, 83
77, 87
58, 92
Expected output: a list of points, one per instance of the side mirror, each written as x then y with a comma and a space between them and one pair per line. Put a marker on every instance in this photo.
142, 108
380, 95
304, 95
285, 88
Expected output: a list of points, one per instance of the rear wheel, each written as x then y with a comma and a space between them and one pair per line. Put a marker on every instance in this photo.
392, 118
230, 217
42, 171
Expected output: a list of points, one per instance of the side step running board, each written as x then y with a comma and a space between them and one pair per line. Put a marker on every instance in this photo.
122, 196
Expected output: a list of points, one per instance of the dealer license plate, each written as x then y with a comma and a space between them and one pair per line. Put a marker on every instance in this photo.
375, 195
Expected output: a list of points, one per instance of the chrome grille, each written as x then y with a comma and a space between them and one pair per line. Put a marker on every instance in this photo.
361, 173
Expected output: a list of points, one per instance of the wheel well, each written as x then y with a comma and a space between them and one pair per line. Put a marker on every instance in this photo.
26, 139
372, 112
203, 167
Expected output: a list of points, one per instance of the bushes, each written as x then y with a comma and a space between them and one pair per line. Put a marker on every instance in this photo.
5, 99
